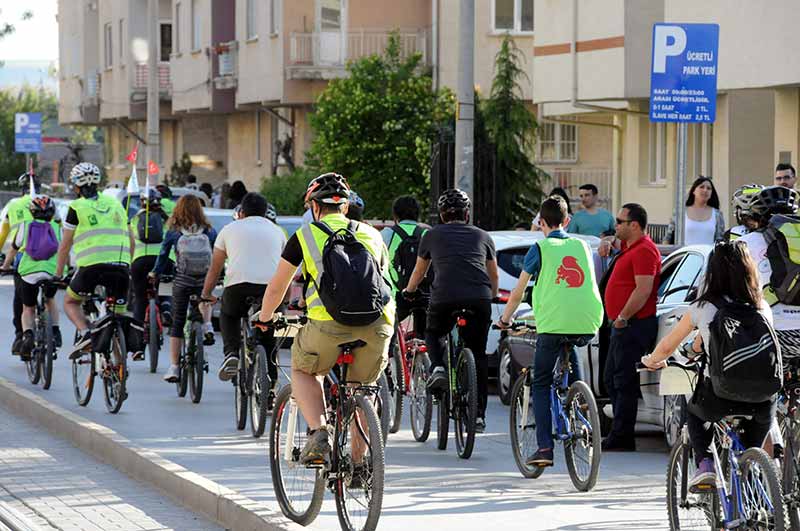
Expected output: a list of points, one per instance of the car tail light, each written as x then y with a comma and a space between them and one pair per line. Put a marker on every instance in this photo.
503, 295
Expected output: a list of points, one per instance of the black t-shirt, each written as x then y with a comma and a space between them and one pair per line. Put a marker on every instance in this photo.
458, 253
293, 253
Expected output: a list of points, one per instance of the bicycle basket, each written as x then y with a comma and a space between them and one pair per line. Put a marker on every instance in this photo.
102, 332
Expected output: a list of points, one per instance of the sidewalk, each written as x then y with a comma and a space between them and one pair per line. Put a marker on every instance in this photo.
56, 486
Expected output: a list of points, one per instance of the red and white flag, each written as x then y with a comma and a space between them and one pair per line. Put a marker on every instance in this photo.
133, 154
152, 168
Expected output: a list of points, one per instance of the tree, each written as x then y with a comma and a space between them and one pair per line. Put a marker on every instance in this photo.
286, 192
7, 29
512, 129
27, 99
376, 127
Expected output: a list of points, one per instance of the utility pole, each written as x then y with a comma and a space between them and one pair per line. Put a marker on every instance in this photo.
153, 150
465, 111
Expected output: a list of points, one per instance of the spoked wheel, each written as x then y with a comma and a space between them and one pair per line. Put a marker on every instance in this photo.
688, 511
298, 489
240, 391
153, 334
259, 392
383, 405
790, 479
522, 426
197, 364
360, 457
673, 417
33, 364
762, 497
47, 348
83, 372
397, 388
420, 401
466, 402
443, 421
183, 371
582, 451
115, 373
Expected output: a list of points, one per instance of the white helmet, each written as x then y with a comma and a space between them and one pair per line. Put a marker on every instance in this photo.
84, 174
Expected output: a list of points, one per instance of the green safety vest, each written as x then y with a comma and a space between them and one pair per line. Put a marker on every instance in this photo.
394, 244
141, 249
18, 212
312, 241
27, 265
565, 298
167, 205
102, 232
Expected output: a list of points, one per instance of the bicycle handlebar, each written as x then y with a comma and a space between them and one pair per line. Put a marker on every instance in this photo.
691, 366
516, 327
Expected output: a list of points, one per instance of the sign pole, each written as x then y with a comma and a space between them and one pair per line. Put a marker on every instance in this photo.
680, 186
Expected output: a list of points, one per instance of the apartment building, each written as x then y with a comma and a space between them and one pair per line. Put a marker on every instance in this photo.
594, 62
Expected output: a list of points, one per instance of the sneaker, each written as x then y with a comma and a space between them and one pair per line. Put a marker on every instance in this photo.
57, 336
317, 448
480, 425
361, 477
26, 345
208, 338
15, 344
229, 367
611, 444
171, 376
138, 355
542, 458
82, 343
437, 380
705, 478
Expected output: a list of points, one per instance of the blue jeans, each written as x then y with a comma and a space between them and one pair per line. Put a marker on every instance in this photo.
548, 351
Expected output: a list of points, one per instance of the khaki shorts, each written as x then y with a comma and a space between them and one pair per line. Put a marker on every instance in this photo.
316, 348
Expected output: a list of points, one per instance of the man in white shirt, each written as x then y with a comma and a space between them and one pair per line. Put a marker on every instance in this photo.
252, 246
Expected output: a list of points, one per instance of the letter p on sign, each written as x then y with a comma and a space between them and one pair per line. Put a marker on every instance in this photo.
663, 48
21, 120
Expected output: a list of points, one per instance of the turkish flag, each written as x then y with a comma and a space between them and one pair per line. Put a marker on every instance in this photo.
152, 168
133, 154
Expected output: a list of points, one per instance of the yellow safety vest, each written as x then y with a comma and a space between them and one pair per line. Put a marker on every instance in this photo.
101, 236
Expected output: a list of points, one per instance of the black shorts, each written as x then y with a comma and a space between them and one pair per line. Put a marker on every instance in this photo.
29, 292
114, 277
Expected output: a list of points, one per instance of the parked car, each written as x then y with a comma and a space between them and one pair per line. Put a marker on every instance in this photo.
681, 272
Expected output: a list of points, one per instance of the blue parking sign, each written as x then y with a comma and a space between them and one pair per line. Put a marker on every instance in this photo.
28, 132
683, 74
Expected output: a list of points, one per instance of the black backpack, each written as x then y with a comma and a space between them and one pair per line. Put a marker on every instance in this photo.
405, 256
744, 357
150, 227
351, 286
782, 236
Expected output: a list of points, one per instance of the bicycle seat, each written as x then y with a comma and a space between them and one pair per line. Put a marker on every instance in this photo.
350, 345
576, 340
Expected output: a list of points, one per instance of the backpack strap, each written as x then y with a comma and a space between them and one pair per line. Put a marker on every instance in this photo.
321, 226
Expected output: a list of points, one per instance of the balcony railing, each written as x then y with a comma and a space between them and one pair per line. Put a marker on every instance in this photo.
141, 73
570, 179
93, 85
332, 50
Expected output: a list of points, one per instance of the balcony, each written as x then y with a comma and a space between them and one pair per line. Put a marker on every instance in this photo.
140, 79
225, 68
324, 55
92, 87
571, 178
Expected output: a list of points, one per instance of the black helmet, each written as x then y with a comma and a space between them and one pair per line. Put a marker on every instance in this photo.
330, 188
42, 207
453, 200
151, 199
271, 213
24, 182
164, 190
775, 200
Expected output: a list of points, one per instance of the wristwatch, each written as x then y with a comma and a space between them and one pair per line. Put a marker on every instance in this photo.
623, 320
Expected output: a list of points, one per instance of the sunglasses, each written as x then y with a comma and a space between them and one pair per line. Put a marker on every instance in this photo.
621, 221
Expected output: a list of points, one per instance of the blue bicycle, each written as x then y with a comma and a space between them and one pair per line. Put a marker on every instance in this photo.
576, 420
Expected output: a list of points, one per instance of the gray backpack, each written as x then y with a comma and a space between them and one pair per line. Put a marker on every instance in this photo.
194, 253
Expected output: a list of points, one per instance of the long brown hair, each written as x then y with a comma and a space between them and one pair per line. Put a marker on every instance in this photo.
731, 273
188, 212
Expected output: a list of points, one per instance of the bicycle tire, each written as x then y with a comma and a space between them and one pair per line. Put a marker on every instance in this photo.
420, 401
182, 384
197, 364
294, 509
259, 392
466, 403
115, 376
240, 390
375, 461
443, 421
523, 446
382, 400
47, 350
397, 388
33, 363
83, 373
586, 437
756, 458
790, 479
680, 468
153, 335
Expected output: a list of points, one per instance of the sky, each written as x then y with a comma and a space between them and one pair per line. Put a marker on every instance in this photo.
35, 39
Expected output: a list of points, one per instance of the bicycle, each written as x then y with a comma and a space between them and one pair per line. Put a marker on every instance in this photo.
460, 399
191, 361
748, 493
574, 414
357, 487
153, 318
107, 355
789, 454
40, 363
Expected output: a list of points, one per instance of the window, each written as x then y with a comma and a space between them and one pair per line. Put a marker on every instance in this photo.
107, 45
274, 13
122, 41
165, 41
682, 280
658, 153
195, 25
177, 28
512, 260
558, 142
513, 15
252, 23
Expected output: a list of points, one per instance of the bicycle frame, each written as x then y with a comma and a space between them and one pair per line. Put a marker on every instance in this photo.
455, 346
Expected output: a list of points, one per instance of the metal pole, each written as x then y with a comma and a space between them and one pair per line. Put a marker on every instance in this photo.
680, 186
465, 111
153, 151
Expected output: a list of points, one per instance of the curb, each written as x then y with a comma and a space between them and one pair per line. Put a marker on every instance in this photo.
220, 504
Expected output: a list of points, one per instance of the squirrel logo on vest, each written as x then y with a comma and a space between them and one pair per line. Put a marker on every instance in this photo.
570, 272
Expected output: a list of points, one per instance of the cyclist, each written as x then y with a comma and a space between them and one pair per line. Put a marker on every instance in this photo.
355, 208
248, 270
743, 198
316, 348
192, 237
566, 304
96, 229
167, 203
463, 258
31, 270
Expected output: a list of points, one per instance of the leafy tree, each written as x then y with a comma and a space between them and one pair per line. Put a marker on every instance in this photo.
27, 99
512, 129
376, 127
286, 191
180, 171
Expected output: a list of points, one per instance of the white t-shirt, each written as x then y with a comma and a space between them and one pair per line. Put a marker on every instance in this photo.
253, 246
703, 314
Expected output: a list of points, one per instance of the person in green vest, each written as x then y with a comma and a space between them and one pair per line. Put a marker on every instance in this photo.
96, 229
167, 203
32, 271
566, 305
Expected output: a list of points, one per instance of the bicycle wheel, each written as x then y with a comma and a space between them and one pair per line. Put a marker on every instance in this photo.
115, 373
298, 489
522, 426
466, 403
382, 405
790, 477
582, 451
197, 364
83, 373
688, 511
153, 334
443, 421
183, 369
397, 388
359, 483
762, 497
259, 392
46, 349
240, 391
33, 364
421, 402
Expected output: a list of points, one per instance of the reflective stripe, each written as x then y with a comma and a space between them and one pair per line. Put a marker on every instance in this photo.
312, 297
99, 232
316, 255
101, 249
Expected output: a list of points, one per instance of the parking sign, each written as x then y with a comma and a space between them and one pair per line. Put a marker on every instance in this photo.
28, 132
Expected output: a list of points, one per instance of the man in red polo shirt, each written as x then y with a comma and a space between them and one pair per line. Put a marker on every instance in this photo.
630, 302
